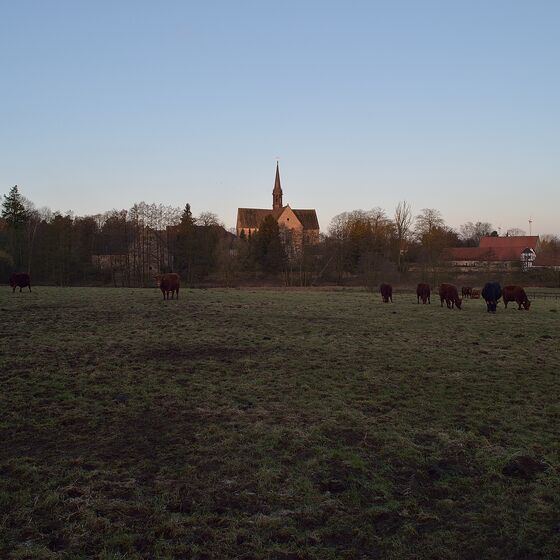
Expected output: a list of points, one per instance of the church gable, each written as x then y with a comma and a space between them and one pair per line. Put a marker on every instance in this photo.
289, 219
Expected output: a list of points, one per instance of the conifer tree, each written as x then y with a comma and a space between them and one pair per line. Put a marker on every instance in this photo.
13, 209
15, 214
269, 251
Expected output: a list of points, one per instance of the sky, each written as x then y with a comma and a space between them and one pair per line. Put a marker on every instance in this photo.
445, 104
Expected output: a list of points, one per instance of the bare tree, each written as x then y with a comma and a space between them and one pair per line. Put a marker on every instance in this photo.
515, 232
428, 221
208, 219
403, 225
471, 233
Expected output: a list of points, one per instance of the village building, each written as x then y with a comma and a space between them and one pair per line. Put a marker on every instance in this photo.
298, 225
497, 253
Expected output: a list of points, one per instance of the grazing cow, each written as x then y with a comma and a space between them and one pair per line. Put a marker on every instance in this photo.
169, 284
423, 292
20, 280
466, 291
386, 292
517, 294
449, 293
475, 294
491, 293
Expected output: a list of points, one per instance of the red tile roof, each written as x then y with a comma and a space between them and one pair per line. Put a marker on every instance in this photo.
520, 241
494, 249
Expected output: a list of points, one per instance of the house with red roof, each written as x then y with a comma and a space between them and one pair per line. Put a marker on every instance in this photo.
496, 253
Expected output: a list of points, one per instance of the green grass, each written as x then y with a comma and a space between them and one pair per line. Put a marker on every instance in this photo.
270, 424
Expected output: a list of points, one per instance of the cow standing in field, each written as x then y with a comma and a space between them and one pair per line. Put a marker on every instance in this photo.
21, 280
517, 294
386, 292
423, 292
475, 294
449, 293
169, 284
491, 293
466, 292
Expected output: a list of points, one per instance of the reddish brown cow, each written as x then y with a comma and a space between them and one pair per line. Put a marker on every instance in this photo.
19, 280
386, 292
466, 291
449, 293
475, 294
423, 292
169, 284
517, 294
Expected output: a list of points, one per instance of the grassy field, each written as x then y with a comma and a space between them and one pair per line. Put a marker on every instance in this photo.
270, 424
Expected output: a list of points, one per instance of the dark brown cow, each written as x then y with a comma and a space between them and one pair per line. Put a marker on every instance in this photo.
20, 280
169, 284
423, 292
517, 294
386, 292
449, 293
466, 291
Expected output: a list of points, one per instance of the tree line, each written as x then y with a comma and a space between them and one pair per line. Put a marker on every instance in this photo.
129, 247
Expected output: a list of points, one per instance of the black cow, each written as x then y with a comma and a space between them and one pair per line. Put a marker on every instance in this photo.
20, 280
386, 292
423, 292
491, 293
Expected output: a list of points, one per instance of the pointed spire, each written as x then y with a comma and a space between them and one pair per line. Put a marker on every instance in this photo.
277, 192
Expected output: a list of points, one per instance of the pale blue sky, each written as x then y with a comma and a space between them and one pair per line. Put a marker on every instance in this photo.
451, 105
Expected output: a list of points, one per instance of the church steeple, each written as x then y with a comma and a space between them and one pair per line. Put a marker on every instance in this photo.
277, 192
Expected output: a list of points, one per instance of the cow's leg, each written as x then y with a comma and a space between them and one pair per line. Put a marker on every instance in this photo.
29, 287
20, 289
177, 293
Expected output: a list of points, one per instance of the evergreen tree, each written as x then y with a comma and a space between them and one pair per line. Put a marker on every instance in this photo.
269, 251
186, 217
13, 209
15, 215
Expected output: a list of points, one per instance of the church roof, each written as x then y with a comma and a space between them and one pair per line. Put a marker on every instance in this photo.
308, 218
253, 217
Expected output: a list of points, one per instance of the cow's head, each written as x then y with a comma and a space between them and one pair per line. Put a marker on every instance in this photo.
157, 279
526, 304
491, 306
458, 303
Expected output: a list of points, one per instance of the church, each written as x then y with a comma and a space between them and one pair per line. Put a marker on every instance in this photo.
302, 225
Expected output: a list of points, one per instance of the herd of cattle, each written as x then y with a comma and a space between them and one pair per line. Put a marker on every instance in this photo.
170, 283
448, 293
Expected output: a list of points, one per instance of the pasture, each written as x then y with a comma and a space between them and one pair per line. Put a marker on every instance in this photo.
272, 424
